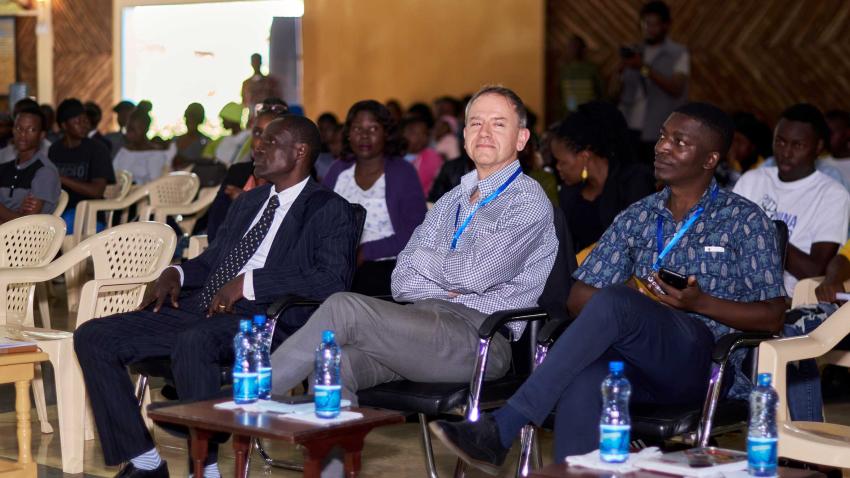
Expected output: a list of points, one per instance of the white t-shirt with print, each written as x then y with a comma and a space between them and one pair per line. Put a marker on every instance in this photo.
815, 208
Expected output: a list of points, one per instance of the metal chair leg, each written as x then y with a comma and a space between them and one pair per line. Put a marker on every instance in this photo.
430, 464
141, 387
523, 466
286, 465
460, 469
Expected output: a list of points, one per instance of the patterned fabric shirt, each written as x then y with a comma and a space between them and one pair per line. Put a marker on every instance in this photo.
502, 259
732, 249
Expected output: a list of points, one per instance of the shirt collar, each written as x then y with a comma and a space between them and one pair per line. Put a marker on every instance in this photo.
38, 155
704, 200
469, 182
288, 195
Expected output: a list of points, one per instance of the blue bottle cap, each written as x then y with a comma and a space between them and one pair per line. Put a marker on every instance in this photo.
259, 319
764, 380
328, 336
244, 325
615, 366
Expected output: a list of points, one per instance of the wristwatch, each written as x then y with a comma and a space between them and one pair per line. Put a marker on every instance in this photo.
644, 71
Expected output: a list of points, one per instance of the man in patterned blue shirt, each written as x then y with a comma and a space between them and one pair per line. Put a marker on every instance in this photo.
486, 245
725, 246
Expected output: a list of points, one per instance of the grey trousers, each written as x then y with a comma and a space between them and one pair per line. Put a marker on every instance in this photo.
429, 341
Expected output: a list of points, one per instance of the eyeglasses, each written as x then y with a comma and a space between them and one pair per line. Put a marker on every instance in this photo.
276, 108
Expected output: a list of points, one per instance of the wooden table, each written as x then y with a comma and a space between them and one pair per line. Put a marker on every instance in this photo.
204, 420
19, 368
562, 470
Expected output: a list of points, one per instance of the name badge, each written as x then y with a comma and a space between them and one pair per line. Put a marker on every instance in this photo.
714, 249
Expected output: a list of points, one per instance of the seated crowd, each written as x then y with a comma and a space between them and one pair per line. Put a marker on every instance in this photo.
282, 224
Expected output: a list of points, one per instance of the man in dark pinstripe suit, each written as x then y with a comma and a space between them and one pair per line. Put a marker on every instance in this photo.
288, 237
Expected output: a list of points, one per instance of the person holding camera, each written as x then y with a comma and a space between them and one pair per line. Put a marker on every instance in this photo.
653, 78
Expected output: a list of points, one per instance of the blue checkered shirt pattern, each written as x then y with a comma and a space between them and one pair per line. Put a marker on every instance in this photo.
732, 249
502, 259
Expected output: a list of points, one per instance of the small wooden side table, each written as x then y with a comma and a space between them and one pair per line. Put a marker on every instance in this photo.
19, 368
204, 420
562, 470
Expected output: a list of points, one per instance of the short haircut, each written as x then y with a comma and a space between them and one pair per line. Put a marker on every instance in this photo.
714, 119
303, 130
656, 8
382, 115
68, 109
807, 113
23, 103
196, 111
34, 111
411, 120
422, 111
94, 113
327, 117
506, 93
838, 115
598, 127
141, 115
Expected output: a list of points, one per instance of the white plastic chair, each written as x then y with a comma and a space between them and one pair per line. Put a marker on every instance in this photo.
125, 258
804, 294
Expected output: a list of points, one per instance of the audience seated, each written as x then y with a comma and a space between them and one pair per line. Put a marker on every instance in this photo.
84, 165
331, 143
188, 148
453, 274
839, 142
288, 237
229, 149
386, 185
666, 343
94, 115
30, 183
52, 135
122, 112
6, 125
425, 159
240, 176
138, 155
751, 144
814, 206
532, 165
598, 166
9, 153
445, 135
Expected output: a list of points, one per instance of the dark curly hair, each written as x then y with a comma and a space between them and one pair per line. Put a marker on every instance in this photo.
382, 115
600, 128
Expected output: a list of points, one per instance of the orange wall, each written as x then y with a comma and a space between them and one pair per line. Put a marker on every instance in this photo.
416, 50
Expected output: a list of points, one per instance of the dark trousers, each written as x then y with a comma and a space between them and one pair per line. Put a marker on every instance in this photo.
667, 355
105, 347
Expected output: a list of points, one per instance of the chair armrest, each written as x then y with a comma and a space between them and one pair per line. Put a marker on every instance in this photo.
204, 200
496, 320
729, 343
279, 306
553, 329
93, 288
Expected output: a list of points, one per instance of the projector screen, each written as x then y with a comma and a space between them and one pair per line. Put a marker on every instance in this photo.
173, 55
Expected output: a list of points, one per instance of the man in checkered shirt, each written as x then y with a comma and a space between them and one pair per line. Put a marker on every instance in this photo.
487, 245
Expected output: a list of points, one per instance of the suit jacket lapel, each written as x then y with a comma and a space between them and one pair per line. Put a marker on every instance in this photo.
292, 222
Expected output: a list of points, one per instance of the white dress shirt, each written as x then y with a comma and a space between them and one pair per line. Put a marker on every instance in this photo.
286, 198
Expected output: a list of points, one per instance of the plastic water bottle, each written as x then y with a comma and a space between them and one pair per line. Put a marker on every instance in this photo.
327, 387
762, 436
245, 378
615, 424
262, 361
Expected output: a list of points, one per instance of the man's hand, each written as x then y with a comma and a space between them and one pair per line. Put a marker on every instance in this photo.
166, 287
31, 205
826, 291
688, 298
232, 191
228, 295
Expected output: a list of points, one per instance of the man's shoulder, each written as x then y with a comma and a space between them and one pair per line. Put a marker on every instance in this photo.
739, 205
675, 48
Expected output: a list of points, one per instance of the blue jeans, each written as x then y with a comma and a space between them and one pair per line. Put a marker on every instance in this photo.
805, 400
68, 217
666, 351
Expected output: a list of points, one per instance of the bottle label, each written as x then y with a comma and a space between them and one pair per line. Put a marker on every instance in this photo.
614, 443
327, 399
761, 456
245, 387
264, 383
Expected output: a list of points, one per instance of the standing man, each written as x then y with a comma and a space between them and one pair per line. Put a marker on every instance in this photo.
30, 184
288, 237
653, 79
258, 87
84, 164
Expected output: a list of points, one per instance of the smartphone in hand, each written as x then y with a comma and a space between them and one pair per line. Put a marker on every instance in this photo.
675, 279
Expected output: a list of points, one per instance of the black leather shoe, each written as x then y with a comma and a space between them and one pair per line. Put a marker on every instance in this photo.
130, 471
476, 443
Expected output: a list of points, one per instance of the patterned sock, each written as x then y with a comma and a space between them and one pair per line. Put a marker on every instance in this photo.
211, 471
149, 460
510, 422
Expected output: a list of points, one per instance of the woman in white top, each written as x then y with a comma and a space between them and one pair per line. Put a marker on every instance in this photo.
138, 155
373, 175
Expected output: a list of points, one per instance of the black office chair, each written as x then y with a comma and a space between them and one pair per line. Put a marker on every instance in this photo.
658, 423
429, 400
161, 366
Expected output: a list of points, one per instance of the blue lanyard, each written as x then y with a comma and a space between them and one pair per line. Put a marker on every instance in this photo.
659, 232
492, 196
